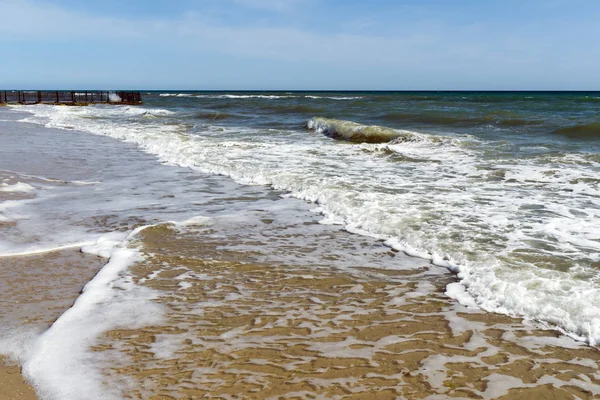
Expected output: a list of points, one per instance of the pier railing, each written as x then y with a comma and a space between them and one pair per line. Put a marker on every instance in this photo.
69, 97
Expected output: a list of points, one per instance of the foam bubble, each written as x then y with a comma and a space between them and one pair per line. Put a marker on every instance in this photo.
17, 187
458, 292
335, 97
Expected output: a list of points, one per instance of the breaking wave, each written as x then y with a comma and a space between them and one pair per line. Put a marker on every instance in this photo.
357, 133
334, 97
583, 131
247, 96
259, 96
511, 229
176, 95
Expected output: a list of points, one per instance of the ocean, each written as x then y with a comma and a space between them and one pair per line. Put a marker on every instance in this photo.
324, 245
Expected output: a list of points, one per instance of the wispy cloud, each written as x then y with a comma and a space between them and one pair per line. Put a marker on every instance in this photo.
413, 50
43, 21
272, 5
193, 31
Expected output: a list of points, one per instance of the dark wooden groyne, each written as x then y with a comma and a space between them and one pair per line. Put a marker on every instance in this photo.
73, 97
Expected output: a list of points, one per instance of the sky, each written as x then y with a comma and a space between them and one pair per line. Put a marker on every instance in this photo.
300, 44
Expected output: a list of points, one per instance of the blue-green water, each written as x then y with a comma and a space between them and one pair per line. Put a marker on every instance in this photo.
557, 117
501, 187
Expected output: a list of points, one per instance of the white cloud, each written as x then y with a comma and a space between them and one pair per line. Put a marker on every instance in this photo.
273, 5
42, 21
411, 49
46, 23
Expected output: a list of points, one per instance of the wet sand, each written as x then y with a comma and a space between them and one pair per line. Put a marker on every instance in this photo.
252, 331
240, 330
12, 384
239, 326
36, 290
267, 304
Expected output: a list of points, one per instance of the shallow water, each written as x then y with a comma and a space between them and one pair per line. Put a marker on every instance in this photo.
511, 206
226, 288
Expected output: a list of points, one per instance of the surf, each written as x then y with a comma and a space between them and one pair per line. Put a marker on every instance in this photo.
358, 133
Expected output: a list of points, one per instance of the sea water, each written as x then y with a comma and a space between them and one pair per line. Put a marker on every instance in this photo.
496, 191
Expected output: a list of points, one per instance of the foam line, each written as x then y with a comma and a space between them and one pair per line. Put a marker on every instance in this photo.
46, 250
438, 197
17, 187
60, 364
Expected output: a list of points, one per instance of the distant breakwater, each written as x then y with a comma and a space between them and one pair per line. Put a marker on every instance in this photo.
69, 97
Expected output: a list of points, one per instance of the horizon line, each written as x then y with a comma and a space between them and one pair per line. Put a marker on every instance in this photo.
318, 90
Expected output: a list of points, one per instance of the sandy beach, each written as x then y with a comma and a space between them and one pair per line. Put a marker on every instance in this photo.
299, 200
177, 283
12, 384
32, 301
268, 331
252, 331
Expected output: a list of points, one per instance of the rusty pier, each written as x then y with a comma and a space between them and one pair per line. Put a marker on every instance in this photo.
72, 97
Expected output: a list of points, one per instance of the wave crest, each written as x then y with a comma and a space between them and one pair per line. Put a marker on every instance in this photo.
358, 133
583, 131
175, 95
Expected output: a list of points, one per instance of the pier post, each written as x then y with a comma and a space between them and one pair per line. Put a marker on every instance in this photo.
62, 97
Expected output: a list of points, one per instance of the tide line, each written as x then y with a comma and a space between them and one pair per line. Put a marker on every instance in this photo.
46, 250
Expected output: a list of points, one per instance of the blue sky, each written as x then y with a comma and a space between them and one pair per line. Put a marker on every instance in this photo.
301, 44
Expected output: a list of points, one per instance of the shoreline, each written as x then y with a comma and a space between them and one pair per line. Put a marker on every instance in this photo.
264, 299
33, 301
38, 285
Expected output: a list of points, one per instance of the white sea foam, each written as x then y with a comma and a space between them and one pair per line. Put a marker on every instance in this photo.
258, 96
250, 96
458, 292
229, 96
60, 363
114, 98
9, 210
165, 346
197, 220
36, 249
175, 95
17, 187
335, 97
496, 225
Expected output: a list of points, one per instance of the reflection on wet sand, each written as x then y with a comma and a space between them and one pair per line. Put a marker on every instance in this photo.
248, 330
261, 301
36, 290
